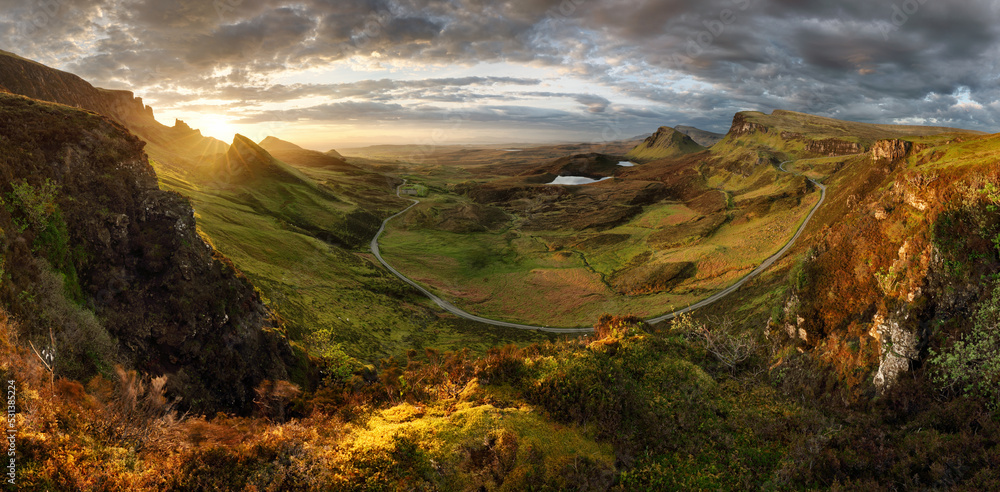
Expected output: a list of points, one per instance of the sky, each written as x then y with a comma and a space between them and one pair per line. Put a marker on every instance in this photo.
350, 73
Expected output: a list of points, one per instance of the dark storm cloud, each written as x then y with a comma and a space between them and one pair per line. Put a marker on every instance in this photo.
856, 59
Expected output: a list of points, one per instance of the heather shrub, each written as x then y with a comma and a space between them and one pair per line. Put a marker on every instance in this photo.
79, 346
732, 349
32, 206
502, 365
609, 326
136, 411
972, 364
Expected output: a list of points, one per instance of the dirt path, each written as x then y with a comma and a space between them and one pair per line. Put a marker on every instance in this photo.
451, 308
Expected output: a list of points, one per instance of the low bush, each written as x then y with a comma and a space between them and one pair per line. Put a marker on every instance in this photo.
971, 365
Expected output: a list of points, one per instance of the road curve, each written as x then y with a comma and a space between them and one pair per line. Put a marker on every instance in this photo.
760, 269
451, 308
447, 306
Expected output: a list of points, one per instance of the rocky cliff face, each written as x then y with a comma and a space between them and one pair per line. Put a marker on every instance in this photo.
905, 255
34, 80
891, 150
833, 147
132, 254
742, 126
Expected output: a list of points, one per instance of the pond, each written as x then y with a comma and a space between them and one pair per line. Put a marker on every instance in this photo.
626, 164
575, 180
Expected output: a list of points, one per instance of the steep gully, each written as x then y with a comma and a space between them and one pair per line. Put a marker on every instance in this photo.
447, 306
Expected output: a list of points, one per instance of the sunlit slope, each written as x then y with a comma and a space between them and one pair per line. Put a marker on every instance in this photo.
299, 233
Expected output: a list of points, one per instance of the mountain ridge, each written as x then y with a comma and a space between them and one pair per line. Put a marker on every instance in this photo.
701, 137
666, 142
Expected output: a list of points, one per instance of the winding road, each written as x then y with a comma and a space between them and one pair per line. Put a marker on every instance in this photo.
451, 308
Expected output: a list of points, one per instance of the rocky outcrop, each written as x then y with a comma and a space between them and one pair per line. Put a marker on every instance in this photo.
174, 306
899, 349
915, 190
890, 150
246, 161
833, 147
742, 126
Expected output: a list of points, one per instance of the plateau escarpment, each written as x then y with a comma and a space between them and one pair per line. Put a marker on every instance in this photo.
115, 268
34, 80
804, 135
37, 81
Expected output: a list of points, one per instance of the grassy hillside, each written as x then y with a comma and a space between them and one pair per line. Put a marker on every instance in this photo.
657, 237
297, 229
103, 268
304, 244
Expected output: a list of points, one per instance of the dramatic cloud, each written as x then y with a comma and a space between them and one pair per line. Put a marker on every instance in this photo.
587, 65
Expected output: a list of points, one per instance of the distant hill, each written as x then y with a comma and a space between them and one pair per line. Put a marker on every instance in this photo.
591, 165
246, 161
297, 156
702, 137
666, 142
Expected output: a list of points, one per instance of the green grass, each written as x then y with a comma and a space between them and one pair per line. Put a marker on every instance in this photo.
567, 278
333, 295
817, 168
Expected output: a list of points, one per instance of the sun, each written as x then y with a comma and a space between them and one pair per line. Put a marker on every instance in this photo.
216, 126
